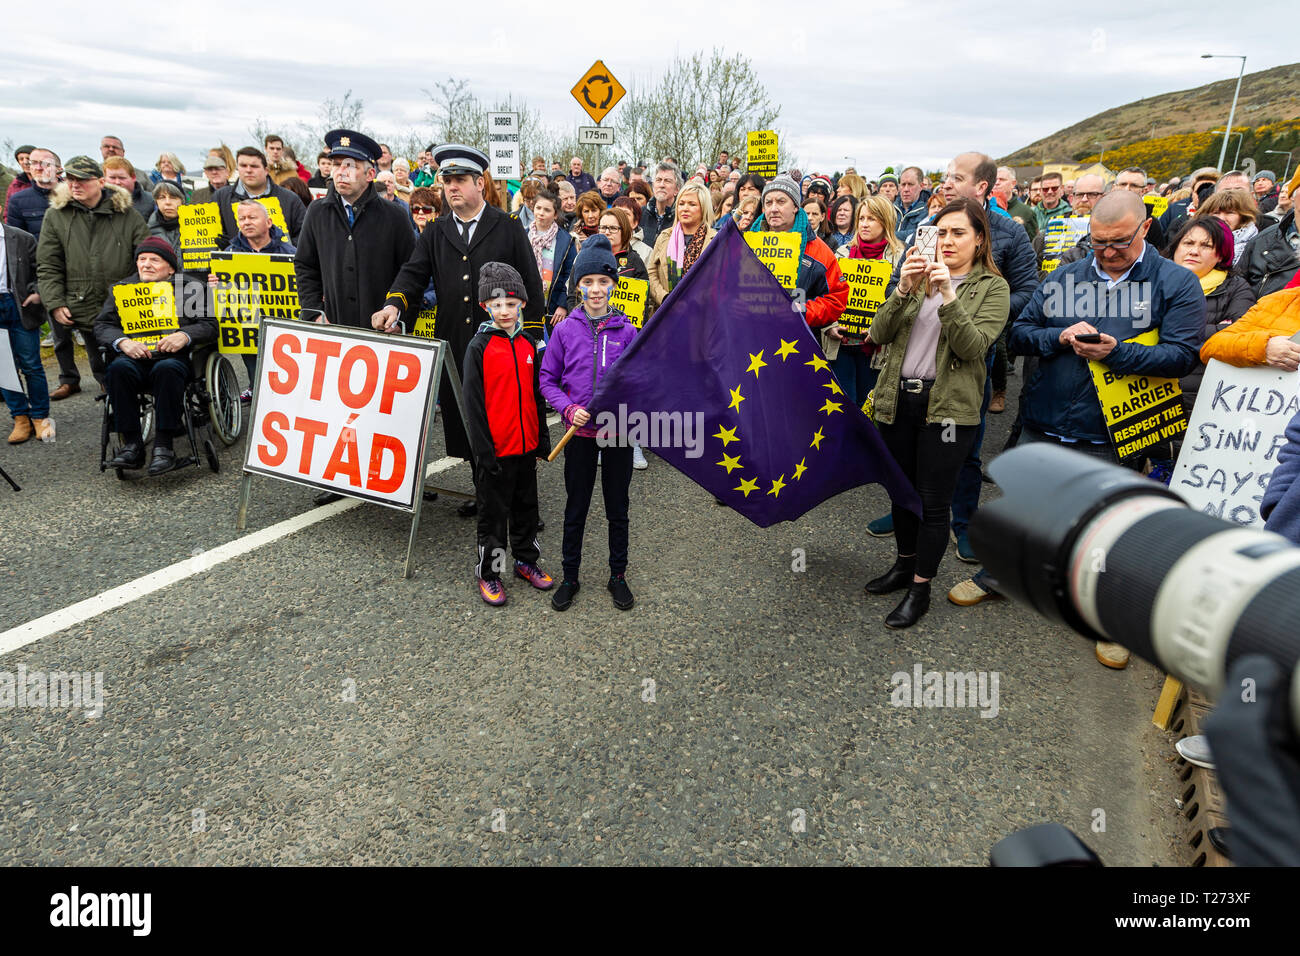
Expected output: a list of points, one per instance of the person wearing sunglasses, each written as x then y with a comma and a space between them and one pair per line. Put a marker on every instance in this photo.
1053, 205
1124, 289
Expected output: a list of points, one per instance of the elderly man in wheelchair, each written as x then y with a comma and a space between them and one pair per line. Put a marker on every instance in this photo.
159, 366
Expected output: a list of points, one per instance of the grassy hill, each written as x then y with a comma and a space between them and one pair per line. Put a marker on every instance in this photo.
1267, 98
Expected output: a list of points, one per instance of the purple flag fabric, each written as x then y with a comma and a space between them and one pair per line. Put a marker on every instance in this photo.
728, 351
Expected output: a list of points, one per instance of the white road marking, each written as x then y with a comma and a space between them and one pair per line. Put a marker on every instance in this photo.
74, 614
123, 594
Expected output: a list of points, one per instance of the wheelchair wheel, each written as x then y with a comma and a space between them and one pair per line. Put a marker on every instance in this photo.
146, 422
225, 411
210, 450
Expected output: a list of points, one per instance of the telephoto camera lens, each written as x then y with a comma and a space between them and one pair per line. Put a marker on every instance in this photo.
1118, 557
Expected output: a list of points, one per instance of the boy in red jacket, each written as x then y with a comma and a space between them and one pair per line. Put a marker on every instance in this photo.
506, 422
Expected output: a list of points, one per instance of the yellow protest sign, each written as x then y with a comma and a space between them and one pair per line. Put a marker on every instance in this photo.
1140, 410
760, 153
200, 224
1060, 235
779, 251
273, 210
1156, 205
147, 310
424, 324
867, 279
629, 297
251, 286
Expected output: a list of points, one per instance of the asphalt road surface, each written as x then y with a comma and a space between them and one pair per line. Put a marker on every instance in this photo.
302, 703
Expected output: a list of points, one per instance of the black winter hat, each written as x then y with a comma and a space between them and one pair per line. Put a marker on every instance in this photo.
596, 258
497, 280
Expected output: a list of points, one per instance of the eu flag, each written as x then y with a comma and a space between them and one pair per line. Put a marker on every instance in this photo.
779, 437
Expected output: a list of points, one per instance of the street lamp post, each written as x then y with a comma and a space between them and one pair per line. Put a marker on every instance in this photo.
852, 161
1102, 143
1232, 112
1286, 175
1237, 155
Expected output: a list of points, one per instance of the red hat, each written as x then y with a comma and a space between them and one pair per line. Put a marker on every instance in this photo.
159, 247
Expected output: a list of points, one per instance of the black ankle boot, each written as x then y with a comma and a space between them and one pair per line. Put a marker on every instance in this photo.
895, 579
913, 607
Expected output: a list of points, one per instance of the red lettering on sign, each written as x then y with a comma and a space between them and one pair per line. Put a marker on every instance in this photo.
310, 429
345, 458
284, 345
274, 454
366, 355
324, 350
395, 382
377, 483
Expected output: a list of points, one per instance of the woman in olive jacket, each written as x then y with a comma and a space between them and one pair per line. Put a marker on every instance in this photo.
938, 326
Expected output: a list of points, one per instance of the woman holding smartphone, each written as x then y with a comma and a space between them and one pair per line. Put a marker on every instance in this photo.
939, 323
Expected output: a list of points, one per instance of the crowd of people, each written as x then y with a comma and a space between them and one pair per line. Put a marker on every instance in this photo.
974, 289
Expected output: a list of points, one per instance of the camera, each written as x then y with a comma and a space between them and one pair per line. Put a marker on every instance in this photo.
1117, 557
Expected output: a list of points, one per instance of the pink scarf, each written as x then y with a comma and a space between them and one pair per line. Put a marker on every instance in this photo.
540, 240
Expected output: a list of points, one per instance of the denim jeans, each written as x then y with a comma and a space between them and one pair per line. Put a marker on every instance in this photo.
26, 344
852, 371
930, 455
966, 499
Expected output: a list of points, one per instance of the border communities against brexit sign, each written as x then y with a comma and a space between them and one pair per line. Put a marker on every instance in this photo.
251, 286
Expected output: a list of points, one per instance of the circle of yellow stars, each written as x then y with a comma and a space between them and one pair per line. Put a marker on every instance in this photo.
728, 435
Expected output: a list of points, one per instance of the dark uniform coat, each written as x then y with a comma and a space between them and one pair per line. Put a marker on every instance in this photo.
347, 272
440, 254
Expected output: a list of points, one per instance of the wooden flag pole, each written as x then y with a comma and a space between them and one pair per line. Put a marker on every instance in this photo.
563, 441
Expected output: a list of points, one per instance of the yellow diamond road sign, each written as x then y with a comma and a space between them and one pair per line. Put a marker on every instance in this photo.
597, 92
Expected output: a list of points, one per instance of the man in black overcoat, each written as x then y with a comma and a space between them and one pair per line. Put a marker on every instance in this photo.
451, 251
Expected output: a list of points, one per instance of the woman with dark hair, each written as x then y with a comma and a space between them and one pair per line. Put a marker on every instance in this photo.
555, 252
750, 184
640, 193
840, 219
165, 219
299, 189
1205, 246
633, 211
816, 212
938, 324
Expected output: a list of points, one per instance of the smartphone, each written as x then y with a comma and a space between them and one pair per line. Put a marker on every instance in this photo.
927, 242
1089, 338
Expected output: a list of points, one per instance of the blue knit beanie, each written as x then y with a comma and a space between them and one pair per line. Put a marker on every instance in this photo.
597, 256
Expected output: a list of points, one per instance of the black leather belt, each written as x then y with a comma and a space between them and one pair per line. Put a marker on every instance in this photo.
915, 385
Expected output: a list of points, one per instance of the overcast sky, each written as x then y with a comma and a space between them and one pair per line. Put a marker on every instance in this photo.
888, 84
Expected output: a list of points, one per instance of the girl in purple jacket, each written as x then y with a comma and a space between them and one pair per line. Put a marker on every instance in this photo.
583, 345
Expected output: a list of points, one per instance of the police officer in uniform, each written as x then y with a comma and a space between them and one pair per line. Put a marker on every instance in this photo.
451, 251
353, 243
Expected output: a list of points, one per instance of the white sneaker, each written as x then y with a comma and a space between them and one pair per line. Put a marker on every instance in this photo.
1196, 750
47, 342
638, 459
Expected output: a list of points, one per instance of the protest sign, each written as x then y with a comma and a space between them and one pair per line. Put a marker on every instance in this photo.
425, 322
344, 410
1236, 430
1140, 410
629, 297
1156, 205
503, 145
272, 209
251, 286
147, 310
760, 153
779, 251
867, 279
200, 224
1060, 235
318, 192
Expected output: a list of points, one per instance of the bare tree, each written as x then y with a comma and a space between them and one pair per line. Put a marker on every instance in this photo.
346, 113
699, 107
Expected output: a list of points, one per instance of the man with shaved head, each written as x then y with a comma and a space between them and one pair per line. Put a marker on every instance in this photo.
1123, 289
